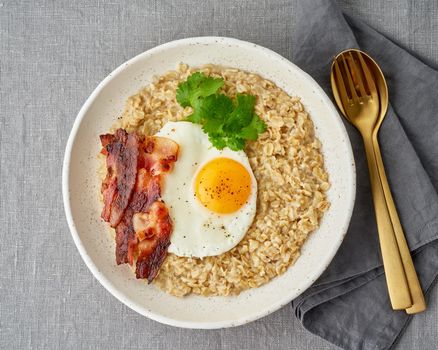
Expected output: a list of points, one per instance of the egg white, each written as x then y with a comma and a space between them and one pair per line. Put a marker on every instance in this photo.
197, 231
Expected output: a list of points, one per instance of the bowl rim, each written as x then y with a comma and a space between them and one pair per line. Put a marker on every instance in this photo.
104, 281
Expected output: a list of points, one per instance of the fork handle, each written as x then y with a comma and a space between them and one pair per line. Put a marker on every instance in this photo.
395, 275
419, 304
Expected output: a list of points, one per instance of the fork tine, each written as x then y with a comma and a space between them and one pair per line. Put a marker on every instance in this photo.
350, 79
368, 76
359, 81
341, 83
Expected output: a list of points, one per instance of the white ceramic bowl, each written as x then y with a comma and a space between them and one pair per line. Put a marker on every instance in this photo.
80, 184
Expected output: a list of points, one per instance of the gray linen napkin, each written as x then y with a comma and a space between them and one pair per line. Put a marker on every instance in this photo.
349, 304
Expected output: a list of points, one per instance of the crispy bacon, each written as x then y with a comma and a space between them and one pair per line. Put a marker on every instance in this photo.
105, 140
159, 153
122, 151
147, 191
132, 200
153, 229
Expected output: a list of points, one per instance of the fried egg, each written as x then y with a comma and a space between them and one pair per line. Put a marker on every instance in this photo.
211, 194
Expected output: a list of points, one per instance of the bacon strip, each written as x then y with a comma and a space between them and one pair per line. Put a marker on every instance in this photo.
147, 191
159, 153
122, 151
154, 239
142, 221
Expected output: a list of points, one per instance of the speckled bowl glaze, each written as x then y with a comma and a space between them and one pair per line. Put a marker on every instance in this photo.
80, 184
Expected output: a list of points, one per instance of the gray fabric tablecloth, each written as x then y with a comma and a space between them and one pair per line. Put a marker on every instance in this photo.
52, 55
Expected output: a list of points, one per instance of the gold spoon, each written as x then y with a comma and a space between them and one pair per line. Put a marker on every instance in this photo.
418, 302
361, 105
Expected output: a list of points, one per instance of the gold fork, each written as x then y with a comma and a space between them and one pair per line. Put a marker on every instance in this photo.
360, 103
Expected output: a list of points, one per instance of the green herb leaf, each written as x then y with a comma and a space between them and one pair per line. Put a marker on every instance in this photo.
197, 85
217, 140
228, 123
235, 143
242, 114
255, 127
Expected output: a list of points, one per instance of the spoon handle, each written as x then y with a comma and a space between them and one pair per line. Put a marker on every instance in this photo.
395, 275
419, 304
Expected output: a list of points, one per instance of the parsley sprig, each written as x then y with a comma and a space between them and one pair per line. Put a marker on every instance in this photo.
228, 123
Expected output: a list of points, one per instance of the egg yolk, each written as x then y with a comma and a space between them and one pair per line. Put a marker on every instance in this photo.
223, 185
